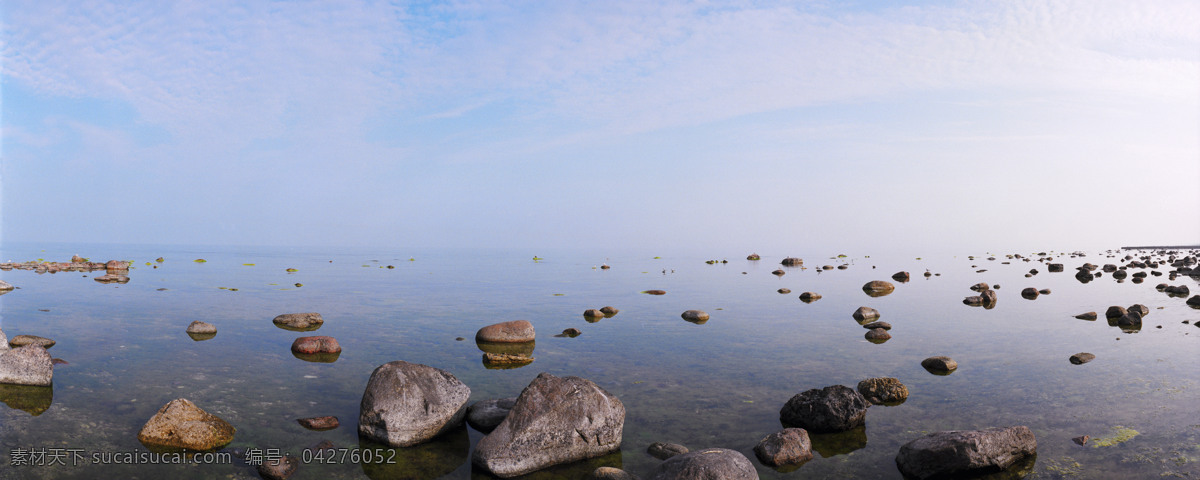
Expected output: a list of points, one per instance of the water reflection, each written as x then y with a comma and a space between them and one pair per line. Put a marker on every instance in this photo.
429, 460
503, 356
32, 399
316, 357
841, 443
200, 337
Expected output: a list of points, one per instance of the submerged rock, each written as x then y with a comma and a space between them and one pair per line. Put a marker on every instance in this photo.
663, 450
407, 403
27, 365
835, 408
610, 473
1087, 316
554, 420
505, 361
278, 468
655, 292
485, 415
516, 331
181, 424
961, 453
706, 464
303, 321
327, 422
570, 332
789, 446
883, 391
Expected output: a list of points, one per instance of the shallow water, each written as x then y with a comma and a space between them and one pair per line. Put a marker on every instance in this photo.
719, 384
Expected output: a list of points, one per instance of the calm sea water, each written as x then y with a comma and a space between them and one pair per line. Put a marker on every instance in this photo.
719, 384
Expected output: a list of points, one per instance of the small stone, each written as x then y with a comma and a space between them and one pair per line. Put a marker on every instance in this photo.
695, 316
1087, 316
1029, 293
789, 446
316, 344
778, 273
516, 331
23, 340
1044, 291
609, 311
201, 327
571, 332
706, 464
939, 364
753, 256
278, 468
485, 415
1082, 358
792, 262
874, 325
593, 313
310, 320
655, 292
809, 297
877, 335
1081, 440
319, 423
663, 450
865, 313
878, 288
883, 391
784, 290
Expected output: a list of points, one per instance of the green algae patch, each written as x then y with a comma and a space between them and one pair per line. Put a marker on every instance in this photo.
200, 260
248, 264
291, 270
1117, 435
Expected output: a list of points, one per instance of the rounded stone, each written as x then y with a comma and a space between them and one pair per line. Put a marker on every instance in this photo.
789, 446
516, 331
835, 408
939, 364
883, 390
695, 316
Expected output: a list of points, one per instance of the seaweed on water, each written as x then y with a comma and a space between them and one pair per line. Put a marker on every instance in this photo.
1117, 435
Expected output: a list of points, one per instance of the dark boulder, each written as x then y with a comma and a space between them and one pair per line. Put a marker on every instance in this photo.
835, 408
963, 453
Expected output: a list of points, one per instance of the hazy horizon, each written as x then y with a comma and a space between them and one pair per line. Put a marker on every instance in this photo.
768, 126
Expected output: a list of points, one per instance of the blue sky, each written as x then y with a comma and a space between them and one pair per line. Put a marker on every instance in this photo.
715, 126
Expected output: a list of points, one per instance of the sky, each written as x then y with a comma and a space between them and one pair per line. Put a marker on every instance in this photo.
737, 126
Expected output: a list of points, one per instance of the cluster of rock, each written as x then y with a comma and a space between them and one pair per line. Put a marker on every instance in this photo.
77, 264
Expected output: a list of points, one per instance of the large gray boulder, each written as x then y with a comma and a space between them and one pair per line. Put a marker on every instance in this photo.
961, 453
407, 403
835, 408
27, 365
706, 464
555, 420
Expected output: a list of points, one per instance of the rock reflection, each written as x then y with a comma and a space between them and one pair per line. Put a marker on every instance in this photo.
841, 443
429, 460
503, 356
315, 357
34, 400
200, 337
